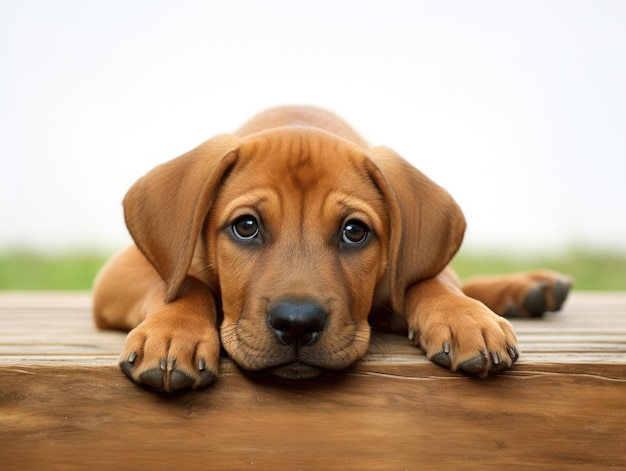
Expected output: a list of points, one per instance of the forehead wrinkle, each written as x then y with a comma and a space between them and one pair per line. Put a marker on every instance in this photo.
307, 206
350, 205
304, 172
256, 199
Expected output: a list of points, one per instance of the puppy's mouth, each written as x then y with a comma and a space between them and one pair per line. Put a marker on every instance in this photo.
295, 370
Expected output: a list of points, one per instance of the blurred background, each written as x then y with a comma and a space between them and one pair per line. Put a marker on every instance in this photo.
517, 108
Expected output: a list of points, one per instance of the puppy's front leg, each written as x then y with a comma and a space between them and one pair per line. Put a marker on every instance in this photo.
458, 332
177, 344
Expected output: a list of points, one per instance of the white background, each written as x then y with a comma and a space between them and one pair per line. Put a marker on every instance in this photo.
517, 108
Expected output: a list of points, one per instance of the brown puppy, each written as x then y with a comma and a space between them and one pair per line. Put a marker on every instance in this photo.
290, 237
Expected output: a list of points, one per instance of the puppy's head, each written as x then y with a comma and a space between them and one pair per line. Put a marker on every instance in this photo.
297, 243
298, 233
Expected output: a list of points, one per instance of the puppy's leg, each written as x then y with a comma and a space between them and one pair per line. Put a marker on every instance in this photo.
171, 346
458, 332
124, 287
521, 294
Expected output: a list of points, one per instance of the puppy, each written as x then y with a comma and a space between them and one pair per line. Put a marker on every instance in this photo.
282, 243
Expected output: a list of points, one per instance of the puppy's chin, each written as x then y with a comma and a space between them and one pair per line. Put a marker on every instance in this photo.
296, 370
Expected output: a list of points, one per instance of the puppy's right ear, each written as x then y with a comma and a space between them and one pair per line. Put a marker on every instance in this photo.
427, 225
165, 209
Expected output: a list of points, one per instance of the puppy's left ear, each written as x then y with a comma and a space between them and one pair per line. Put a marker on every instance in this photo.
427, 226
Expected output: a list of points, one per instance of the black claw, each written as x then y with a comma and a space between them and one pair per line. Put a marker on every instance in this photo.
180, 380
499, 367
474, 365
513, 353
132, 357
153, 378
497, 364
535, 301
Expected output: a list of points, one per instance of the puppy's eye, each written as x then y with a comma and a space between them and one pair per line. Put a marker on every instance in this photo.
355, 232
246, 228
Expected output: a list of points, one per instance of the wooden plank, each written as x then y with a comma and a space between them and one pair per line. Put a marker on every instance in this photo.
49, 327
73, 417
65, 405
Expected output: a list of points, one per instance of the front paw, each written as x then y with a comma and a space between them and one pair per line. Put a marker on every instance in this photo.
172, 351
468, 337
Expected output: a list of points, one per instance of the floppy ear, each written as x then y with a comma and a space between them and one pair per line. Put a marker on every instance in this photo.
165, 209
427, 225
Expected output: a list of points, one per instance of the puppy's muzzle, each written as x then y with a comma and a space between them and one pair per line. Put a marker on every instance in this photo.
297, 322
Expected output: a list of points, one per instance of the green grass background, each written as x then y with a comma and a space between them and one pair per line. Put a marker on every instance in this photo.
592, 270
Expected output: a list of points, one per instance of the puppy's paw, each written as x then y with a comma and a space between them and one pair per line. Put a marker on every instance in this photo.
535, 293
172, 351
467, 336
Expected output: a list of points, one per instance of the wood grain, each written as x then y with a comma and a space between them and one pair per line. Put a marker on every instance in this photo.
65, 405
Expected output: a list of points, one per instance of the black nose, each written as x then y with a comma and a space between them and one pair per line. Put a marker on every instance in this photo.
297, 322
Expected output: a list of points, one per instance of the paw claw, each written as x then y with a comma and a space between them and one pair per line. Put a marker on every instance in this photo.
128, 365
513, 353
497, 364
499, 367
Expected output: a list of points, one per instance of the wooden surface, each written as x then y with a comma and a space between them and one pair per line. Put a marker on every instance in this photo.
65, 405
